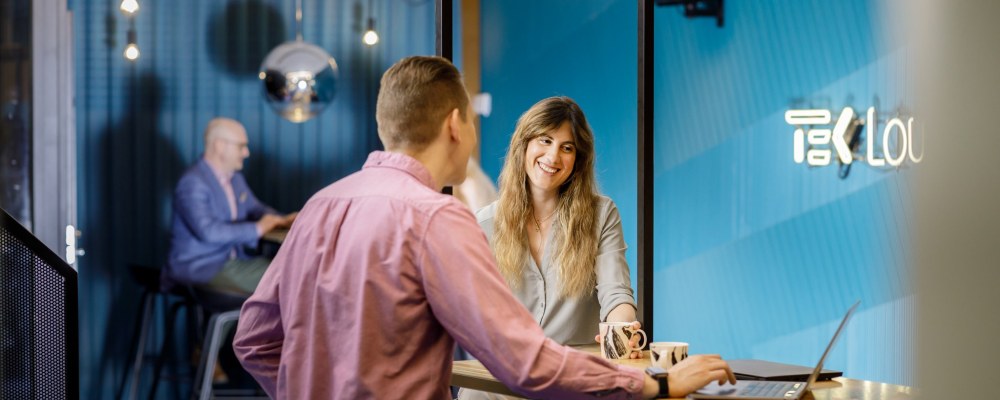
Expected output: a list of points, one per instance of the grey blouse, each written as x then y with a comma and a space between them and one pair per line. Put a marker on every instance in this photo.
574, 320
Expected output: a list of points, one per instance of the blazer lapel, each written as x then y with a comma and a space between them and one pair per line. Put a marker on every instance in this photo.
219, 201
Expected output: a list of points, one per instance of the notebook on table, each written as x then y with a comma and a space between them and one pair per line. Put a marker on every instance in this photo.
770, 390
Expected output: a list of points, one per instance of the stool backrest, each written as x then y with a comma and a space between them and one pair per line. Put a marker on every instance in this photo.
39, 345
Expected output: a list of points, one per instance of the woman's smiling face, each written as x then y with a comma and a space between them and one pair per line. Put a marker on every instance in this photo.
549, 159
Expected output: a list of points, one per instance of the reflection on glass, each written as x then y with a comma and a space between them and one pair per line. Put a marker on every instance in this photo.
15, 116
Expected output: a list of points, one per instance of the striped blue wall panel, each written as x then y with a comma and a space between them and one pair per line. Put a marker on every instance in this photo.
140, 124
756, 256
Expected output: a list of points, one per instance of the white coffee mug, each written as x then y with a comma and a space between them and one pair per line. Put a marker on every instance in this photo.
615, 337
666, 354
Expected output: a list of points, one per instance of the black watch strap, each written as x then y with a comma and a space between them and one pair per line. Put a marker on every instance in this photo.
660, 375
664, 387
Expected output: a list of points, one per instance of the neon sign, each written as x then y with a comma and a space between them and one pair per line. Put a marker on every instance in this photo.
897, 138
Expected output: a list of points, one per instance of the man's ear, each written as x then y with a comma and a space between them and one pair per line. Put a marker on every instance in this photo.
455, 125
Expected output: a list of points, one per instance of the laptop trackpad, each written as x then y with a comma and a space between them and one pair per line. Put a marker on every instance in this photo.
714, 389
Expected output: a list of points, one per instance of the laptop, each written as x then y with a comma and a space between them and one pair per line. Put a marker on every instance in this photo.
760, 370
769, 390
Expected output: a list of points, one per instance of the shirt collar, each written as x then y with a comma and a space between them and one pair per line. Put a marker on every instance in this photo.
402, 162
220, 175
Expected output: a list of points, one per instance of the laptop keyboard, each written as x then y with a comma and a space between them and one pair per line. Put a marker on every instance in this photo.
771, 389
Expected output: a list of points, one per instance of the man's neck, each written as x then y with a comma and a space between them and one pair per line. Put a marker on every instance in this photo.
434, 160
217, 168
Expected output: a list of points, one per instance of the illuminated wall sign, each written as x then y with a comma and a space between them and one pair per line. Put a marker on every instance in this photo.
896, 139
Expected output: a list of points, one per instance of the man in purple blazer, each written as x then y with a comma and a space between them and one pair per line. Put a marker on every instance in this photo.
217, 218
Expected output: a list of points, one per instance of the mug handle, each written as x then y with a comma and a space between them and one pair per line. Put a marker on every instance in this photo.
642, 342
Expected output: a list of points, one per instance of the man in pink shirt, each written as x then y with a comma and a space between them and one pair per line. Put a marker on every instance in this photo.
382, 274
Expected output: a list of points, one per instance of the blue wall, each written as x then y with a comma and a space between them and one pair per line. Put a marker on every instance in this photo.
755, 256
139, 125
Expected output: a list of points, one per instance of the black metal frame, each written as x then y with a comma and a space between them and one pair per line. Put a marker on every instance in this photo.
644, 216
445, 33
71, 313
445, 40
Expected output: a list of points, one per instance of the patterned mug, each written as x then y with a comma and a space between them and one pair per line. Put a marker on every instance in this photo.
666, 354
615, 337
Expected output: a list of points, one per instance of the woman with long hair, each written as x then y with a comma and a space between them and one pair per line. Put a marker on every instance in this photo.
558, 242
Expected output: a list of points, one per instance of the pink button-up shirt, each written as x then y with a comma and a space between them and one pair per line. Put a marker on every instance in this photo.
378, 278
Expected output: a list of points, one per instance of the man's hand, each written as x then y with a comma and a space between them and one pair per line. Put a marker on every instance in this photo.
288, 219
268, 222
632, 343
697, 371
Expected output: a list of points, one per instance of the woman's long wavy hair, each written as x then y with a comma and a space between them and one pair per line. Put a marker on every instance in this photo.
575, 232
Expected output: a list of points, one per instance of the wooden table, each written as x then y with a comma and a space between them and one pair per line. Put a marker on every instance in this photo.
471, 374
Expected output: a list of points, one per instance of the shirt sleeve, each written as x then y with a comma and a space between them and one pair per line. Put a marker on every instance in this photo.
472, 302
193, 205
259, 335
614, 285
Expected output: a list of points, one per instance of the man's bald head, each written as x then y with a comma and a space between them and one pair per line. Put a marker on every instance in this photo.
226, 144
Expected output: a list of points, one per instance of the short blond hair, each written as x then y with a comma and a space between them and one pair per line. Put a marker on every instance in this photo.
417, 94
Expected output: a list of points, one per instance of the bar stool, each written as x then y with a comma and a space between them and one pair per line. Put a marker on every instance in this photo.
224, 309
149, 279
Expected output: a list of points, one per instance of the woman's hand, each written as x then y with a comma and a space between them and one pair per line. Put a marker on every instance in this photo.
632, 343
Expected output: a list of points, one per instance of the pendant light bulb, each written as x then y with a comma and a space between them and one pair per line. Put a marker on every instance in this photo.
371, 37
131, 52
132, 49
129, 7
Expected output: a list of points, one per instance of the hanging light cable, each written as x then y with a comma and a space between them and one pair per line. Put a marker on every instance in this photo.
370, 37
129, 8
298, 20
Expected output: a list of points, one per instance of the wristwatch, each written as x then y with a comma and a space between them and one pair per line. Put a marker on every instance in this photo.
660, 375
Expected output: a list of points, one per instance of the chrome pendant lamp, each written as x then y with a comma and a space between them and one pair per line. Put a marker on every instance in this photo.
299, 78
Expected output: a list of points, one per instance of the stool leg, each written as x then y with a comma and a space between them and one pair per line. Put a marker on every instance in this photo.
210, 351
140, 348
167, 344
137, 365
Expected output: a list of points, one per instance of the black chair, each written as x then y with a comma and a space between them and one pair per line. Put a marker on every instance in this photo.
39, 343
173, 300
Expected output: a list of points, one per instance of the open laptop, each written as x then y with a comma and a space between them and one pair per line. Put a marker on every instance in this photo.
769, 390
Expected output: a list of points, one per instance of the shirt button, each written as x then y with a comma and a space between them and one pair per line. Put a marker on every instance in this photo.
631, 385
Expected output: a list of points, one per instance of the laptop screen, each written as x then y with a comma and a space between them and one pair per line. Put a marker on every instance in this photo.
819, 366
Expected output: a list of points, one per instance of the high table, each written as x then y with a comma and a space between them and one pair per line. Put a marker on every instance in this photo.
471, 374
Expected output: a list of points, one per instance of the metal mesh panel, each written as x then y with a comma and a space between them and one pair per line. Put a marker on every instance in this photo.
16, 303
50, 333
33, 323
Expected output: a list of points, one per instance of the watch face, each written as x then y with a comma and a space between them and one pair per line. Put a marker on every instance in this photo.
655, 370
